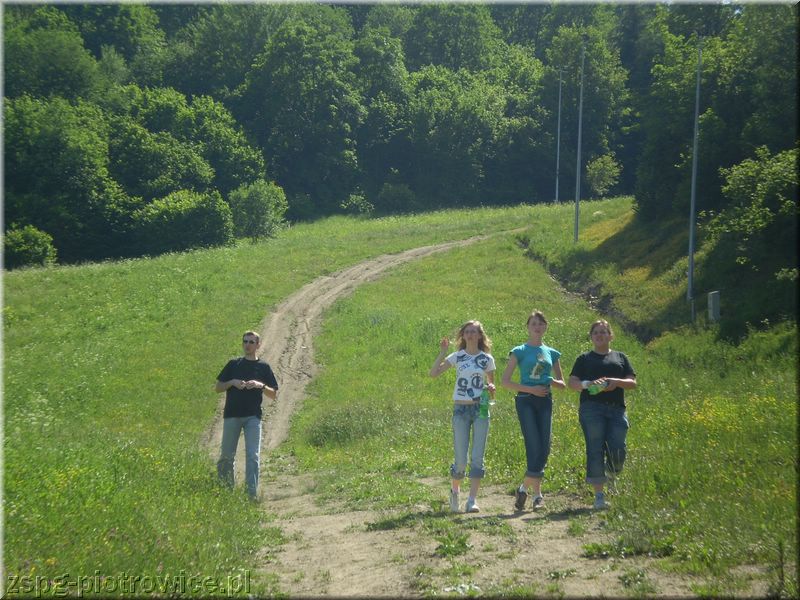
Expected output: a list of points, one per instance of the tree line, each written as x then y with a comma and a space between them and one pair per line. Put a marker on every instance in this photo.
139, 129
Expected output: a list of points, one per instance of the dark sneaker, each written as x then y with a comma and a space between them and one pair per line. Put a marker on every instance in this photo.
520, 498
600, 502
538, 502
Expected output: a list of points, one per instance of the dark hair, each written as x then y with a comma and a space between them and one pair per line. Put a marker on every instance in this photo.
600, 322
536, 314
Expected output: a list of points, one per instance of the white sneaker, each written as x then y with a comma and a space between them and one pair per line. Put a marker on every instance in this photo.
472, 506
453, 501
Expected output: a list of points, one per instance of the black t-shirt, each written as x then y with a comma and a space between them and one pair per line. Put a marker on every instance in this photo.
591, 365
245, 403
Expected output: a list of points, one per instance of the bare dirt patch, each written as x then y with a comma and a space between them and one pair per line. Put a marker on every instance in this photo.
330, 551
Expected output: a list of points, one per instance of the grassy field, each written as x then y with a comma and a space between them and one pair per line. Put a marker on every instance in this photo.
711, 479
108, 375
108, 391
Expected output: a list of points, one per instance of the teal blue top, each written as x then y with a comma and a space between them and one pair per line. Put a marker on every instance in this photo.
535, 363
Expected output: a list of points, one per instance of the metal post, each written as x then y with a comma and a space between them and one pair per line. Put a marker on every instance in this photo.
580, 131
713, 306
558, 135
692, 203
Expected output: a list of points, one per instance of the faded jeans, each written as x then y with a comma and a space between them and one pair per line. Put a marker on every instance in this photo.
465, 417
535, 415
605, 427
252, 446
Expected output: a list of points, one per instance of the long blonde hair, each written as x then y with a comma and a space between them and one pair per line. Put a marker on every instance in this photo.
484, 343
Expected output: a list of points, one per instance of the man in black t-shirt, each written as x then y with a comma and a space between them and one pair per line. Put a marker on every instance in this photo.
244, 380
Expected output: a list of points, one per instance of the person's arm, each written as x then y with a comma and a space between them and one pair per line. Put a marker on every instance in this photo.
574, 383
269, 387
440, 365
223, 386
490, 383
558, 380
627, 381
614, 383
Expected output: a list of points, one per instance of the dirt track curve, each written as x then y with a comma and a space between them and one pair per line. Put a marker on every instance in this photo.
333, 552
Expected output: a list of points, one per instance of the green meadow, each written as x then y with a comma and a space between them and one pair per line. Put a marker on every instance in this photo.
108, 394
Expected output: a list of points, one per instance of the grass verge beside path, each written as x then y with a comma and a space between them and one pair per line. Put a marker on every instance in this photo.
108, 387
710, 483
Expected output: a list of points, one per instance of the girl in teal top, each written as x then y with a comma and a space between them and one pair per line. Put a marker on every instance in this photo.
539, 370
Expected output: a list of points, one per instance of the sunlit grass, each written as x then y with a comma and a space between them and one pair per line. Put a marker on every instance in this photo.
109, 368
108, 392
710, 479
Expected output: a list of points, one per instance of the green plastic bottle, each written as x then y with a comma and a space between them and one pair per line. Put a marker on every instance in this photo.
483, 407
596, 388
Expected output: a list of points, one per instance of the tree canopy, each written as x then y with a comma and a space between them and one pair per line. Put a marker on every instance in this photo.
123, 121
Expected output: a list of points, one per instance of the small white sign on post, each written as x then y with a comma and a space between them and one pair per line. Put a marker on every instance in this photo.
713, 306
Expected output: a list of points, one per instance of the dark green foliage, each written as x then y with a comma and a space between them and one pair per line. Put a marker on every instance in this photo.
396, 198
152, 165
301, 102
44, 55
258, 209
748, 98
453, 36
220, 141
132, 29
184, 220
27, 246
380, 107
213, 53
57, 176
602, 173
754, 258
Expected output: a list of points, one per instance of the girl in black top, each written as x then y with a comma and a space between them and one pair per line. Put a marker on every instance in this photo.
602, 375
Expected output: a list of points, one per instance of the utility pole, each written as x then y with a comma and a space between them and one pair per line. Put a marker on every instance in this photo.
692, 203
580, 131
558, 134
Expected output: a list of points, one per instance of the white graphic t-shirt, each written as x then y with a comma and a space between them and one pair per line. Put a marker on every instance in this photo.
471, 372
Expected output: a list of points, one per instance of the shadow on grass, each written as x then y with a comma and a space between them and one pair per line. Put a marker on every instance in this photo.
636, 245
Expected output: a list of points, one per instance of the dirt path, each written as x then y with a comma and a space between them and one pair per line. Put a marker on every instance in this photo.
333, 552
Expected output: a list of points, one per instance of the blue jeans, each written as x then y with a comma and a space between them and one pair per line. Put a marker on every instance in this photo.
465, 417
536, 422
605, 427
252, 446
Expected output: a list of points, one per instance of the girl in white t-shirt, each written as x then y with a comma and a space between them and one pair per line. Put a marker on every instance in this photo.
474, 370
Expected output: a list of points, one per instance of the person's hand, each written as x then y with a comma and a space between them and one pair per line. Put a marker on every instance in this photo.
611, 384
444, 345
491, 387
540, 390
243, 385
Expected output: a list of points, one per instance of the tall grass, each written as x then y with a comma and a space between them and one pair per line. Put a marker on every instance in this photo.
711, 476
108, 391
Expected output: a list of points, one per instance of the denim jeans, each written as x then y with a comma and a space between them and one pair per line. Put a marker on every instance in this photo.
465, 417
605, 427
252, 446
536, 422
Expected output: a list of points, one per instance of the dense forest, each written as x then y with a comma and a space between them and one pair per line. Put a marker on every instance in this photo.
137, 129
